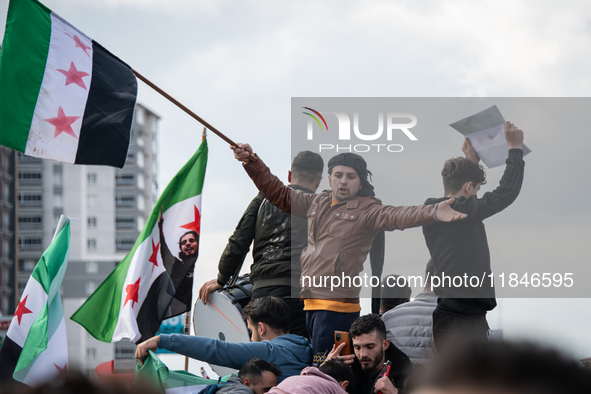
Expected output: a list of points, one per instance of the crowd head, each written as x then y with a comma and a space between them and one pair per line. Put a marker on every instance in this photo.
259, 375
368, 334
267, 316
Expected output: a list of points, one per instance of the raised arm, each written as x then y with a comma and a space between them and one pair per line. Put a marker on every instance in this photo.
283, 197
509, 185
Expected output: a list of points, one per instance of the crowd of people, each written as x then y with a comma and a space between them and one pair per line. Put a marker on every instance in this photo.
436, 343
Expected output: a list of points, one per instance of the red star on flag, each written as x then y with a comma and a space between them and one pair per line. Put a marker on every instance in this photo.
79, 44
196, 224
74, 76
154, 257
63, 123
22, 309
63, 371
132, 292
480, 140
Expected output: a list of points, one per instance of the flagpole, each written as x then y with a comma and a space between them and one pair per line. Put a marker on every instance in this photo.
188, 111
188, 314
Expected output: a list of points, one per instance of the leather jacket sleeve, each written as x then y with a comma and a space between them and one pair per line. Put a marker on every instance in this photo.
283, 197
239, 242
389, 218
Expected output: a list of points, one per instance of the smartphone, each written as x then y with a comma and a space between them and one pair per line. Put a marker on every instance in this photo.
343, 337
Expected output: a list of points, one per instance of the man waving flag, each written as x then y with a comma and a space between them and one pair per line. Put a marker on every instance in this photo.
151, 284
35, 348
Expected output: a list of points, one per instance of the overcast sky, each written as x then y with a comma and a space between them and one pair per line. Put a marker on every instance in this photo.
238, 63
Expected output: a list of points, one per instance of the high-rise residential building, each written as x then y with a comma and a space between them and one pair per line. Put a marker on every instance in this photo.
8, 246
111, 206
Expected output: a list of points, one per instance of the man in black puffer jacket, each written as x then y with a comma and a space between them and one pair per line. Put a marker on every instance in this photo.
278, 242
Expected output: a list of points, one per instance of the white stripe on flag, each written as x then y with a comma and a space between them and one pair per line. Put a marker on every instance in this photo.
61, 97
48, 364
31, 303
141, 268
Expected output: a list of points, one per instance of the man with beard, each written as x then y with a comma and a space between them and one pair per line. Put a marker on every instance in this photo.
372, 350
180, 270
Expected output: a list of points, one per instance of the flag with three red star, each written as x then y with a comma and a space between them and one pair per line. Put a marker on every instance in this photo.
35, 349
155, 280
62, 95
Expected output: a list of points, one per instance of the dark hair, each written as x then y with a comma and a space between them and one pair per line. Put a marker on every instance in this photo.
339, 371
392, 294
459, 170
307, 166
270, 310
367, 324
523, 367
253, 369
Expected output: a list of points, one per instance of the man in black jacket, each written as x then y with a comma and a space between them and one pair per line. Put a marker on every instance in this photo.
278, 242
460, 249
372, 350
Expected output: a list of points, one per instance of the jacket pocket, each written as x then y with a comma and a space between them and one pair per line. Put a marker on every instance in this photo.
342, 224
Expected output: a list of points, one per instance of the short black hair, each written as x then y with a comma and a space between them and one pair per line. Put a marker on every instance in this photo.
307, 166
253, 369
367, 324
516, 367
270, 310
339, 371
392, 294
459, 170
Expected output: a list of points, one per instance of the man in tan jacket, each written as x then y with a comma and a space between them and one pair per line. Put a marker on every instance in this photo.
342, 225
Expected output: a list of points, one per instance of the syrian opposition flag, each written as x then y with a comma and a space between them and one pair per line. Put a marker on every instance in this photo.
35, 349
62, 95
135, 298
155, 374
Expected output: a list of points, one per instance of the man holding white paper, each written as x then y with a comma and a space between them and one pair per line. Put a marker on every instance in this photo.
460, 249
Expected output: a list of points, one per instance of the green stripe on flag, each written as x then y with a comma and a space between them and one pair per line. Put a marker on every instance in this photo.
99, 314
22, 65
49, 272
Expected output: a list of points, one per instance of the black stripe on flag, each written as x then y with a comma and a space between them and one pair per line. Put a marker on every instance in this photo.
156, 306
9, 354
104, 136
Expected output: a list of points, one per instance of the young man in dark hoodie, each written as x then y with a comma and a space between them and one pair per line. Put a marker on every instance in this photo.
460, 249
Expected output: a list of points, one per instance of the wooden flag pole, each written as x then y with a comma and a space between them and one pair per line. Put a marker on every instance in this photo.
187, 332
188, 111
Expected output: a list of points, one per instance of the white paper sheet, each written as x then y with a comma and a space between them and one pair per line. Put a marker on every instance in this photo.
486, 131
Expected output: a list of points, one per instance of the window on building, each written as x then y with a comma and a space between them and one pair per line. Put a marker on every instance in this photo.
29, 177
140, 223
124, 201
91, 200
58, 200
6, 220
91, 179
30, 199
58, 178
30, 243
91, 244
139, 116
124, 222
27, 265
6, 249
125, 243
130, 158
7, 194
92, 222
91, 267
124, 179
34, 221
140, 181
140, 160
90, 353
